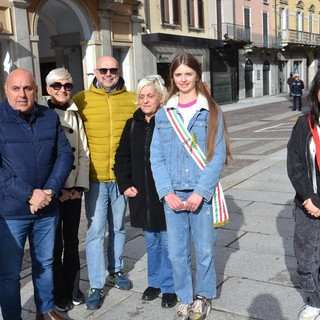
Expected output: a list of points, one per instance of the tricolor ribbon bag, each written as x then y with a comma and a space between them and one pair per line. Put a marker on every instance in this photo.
219, 206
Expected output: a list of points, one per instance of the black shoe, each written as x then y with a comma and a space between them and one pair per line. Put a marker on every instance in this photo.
151, 293
294, 109
79, 298
63, 305
169, 300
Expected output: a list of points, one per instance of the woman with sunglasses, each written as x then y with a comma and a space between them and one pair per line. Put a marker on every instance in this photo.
133, 173
66, 268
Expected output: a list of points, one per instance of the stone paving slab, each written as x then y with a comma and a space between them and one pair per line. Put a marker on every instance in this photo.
265, 208
266, 243
258, 300
261, 224
260, 195
257, 266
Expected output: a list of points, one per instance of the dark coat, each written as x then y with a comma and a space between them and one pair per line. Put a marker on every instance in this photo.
296, 87
132, 168
34, 154
299, 162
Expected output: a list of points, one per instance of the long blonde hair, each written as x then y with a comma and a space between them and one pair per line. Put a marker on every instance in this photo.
214, 109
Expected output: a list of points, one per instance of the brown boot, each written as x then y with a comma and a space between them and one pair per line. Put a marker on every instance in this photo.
49, 316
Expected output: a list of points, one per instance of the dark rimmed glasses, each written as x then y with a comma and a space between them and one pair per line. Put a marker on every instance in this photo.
104, 71
58, 85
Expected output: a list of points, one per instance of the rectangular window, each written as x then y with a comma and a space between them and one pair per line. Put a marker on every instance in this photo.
170, 12
310, 22
265, 29
195, 13
247, 22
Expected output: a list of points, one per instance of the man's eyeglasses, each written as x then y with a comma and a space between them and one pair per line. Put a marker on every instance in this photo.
104, 71
58, 85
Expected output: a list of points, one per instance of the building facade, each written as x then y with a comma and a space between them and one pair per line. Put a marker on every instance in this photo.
298, 38
171, 27
246, 48
40, 35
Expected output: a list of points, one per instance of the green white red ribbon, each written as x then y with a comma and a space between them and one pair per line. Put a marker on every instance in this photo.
219, 206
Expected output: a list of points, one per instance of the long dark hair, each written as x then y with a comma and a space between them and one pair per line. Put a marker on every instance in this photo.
313, 99
190, 61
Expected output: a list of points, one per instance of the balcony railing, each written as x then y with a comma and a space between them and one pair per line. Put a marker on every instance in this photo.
239, 33
298, 37
231, 31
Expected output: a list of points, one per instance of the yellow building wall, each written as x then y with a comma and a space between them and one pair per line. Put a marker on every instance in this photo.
157, 27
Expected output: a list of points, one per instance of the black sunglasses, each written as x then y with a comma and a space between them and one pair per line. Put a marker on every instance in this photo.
104, 71
57, 86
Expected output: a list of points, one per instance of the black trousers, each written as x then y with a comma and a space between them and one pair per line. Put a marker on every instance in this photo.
66, 263
297, 103
306, 244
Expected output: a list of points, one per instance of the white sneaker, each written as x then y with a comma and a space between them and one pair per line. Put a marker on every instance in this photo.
309, 313
183, 312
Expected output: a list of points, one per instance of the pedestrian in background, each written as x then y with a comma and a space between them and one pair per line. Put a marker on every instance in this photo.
297, 87
185, 189
134, 177
303, 165
104, 109
289, 82
66, 264
36, 159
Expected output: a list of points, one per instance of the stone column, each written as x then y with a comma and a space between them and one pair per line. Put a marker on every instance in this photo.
22, 53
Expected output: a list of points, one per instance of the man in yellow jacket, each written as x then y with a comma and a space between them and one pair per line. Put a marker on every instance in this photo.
104, 109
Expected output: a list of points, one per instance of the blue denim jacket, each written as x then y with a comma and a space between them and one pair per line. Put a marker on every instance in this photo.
172, 167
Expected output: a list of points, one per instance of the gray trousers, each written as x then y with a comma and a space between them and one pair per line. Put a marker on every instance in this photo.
306, 244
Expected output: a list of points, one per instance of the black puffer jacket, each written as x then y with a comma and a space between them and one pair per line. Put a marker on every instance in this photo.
299, 163
132, 168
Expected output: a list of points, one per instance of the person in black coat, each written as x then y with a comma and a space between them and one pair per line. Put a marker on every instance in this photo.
303, 164
133, 172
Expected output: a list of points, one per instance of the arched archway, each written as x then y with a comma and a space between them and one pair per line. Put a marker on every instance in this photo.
266, 77
63, 29
248, 78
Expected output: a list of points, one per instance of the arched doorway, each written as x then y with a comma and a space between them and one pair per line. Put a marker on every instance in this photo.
248, 78
62, 27
266, 71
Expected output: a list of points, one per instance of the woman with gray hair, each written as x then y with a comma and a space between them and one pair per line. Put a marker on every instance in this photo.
133, 172
66, 268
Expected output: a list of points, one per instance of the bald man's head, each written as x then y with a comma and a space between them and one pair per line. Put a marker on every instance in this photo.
21, 90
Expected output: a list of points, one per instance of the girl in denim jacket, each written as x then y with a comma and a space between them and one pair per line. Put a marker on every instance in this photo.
185, 189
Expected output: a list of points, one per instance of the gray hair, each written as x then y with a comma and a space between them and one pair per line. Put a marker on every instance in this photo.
58, 74
157, 82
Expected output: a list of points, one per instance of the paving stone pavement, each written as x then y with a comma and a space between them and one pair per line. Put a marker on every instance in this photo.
254, 255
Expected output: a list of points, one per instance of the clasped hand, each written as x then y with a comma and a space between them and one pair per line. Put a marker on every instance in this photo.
40, 198
69, 194
311, 208
176, 204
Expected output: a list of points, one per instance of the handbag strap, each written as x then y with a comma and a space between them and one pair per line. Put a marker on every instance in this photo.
189, 141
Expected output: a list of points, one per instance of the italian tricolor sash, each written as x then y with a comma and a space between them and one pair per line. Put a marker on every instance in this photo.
220, 210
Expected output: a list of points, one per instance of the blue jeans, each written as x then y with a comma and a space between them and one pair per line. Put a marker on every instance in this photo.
13, 236
159, 264
180, 227
104, 204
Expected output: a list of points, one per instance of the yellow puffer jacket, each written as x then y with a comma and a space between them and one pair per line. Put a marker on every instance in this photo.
104, 116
